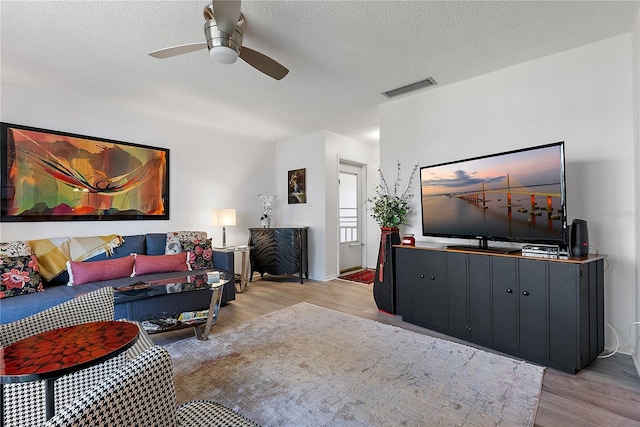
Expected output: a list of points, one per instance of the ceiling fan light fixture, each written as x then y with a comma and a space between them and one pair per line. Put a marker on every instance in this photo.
223, 54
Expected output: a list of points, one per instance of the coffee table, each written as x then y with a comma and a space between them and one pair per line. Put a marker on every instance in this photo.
52, 354
179, 283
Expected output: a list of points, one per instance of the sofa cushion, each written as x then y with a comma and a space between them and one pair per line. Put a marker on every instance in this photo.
131, 245
87, 247
156, 243
86, 272
17, 248
19, 275
146, 264
201, 254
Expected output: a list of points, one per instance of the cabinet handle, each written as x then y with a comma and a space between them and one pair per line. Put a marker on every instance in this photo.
422, 276
509, 290
525, 293
432, 277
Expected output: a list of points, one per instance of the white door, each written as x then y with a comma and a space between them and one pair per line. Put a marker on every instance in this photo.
350, 217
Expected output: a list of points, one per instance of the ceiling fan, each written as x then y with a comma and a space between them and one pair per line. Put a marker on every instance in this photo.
223, 30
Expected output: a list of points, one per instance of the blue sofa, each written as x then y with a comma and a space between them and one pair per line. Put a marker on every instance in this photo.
57, 291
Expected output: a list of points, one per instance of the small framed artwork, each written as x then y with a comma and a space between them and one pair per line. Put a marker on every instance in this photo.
47, 175
297, 190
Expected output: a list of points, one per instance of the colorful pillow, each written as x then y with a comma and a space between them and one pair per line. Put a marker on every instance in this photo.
19, 275
17, 248
146, 264
201, 254
175, 240
96, 271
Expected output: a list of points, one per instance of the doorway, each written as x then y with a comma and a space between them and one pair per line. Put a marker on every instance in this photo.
350, 220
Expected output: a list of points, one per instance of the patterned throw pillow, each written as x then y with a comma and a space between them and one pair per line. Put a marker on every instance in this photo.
19, 275
175, 240
17, 248
201, 253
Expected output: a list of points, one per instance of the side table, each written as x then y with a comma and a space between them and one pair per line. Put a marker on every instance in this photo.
68, 349
244, 269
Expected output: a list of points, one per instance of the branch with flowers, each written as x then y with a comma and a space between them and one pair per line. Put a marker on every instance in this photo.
388, 207
267, 205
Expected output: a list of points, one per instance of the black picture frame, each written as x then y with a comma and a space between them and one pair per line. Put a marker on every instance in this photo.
297, 186
48, 175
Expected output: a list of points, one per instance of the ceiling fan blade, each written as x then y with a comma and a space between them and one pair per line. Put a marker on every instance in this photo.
226, 14
263, 63
168, 52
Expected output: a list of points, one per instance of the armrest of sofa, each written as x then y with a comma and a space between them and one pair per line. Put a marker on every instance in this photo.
224, 261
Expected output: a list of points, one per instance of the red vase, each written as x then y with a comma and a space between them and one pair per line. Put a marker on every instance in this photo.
383, 285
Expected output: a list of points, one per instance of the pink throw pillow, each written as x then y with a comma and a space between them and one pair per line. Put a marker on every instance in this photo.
146, 264
96, 271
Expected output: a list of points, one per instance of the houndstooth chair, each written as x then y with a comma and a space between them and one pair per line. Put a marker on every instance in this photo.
143, 394
24, 403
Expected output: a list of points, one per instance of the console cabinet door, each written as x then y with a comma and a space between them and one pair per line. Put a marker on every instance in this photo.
480, 299
504, 280
437, 284
404, 285
567, 283
457, 293
533, 307
420, 285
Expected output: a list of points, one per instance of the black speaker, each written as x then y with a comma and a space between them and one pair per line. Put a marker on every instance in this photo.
579, 238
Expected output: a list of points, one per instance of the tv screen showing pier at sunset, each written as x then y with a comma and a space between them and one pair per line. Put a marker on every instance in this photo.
516, 196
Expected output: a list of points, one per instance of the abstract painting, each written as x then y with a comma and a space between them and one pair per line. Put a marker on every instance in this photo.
56, 176
297, 190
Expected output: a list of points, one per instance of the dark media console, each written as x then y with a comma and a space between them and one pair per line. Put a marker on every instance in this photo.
548, 311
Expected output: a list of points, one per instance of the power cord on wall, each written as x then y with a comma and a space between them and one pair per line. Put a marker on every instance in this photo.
618, 347
606, 261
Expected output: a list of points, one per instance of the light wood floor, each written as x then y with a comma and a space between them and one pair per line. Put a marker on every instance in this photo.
605, 393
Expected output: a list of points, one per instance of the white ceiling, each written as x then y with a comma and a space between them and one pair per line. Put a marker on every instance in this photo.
341, 54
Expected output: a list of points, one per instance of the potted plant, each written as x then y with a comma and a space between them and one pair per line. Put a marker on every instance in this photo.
390, 209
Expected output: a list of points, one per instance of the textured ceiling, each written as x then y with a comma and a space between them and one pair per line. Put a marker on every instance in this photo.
341, 54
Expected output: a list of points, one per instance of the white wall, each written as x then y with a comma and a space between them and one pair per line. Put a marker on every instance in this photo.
305, 152
582, 97
373, 229
635, 54
208, 168
319, 153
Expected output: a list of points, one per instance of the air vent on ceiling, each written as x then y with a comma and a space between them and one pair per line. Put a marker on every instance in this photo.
410, 88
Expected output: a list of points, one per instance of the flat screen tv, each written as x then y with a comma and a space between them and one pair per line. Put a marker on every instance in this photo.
515, 196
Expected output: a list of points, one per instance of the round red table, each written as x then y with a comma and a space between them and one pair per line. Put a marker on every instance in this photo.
52, 354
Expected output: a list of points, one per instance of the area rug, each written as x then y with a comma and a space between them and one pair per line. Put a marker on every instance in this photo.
363, 276
309, 366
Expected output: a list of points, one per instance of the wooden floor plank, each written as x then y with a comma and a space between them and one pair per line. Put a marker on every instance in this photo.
605, 393
553, 409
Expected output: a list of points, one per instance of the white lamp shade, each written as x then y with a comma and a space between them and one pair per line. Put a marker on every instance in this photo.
223, 217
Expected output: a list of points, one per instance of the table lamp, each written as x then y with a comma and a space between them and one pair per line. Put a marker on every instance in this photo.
223, 217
